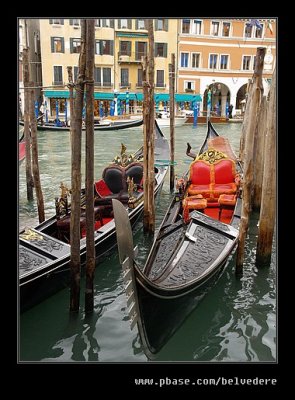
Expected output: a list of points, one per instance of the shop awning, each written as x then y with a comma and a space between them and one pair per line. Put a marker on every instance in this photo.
187, 97
57, 94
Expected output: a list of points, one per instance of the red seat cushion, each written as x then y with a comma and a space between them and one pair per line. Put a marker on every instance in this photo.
227, 188
227, 199
205, 190
102, 188
224, 171
200, 173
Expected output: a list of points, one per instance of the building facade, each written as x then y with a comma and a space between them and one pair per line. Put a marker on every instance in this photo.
219, 55
29, 37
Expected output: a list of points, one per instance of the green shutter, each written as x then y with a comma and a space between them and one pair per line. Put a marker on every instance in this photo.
111, 23
61, 21
166, 25
129, 23
103, 23
52, 45
111, 47
62, 45
129, 48
71, 45
51, 21
71, 22
156, 24
136, 50
156, 50
119, 24
165, 50
136, 24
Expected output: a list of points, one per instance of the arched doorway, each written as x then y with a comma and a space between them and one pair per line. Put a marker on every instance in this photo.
241, 98
220, 99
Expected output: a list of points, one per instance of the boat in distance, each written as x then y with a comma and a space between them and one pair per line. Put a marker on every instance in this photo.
103, 126
191, 247
44, 251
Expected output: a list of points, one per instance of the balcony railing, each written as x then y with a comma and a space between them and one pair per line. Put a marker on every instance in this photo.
125, 85
103, 84
58, 83
125, 57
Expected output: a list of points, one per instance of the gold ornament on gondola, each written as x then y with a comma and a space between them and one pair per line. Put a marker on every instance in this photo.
124, 159
31, 235
212, 155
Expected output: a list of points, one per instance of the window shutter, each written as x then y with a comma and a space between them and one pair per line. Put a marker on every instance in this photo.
156, 49
104, 23
165, 50
166, 25
52, 45
71, 22
51, 21
136, 50
62, 45
129, 23
111, 23
71, 45
111, 47
156, 25
61, 21
129, 48
119, 24
136, 24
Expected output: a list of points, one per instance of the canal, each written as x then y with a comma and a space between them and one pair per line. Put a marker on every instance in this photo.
236, 322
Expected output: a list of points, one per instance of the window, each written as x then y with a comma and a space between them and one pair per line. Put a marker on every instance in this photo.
225, 29
215, 28
160, 49
254, 62
124, 24
125, 48
57, 75
140, 50
75, 22
140, 24
76, 72
106, 76
160, 78
195, 60
189, 86
161, 24
246, 63
139, 78
107, 23
186, 26
104, 47
98, 23
56, 21
258, 31
223, 61
184, 60
60, 103
248, 30
124, 77
213, 61
75, 45
57, 45
197, 27
97, 76
102, 76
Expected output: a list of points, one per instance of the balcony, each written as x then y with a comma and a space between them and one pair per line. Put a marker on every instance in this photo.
124, 57
187, 90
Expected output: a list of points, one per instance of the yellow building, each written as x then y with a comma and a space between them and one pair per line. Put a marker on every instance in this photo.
120, 45
219, 54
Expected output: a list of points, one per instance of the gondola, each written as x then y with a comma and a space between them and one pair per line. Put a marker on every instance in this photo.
108, 126
191, 246
21, 149
44, 251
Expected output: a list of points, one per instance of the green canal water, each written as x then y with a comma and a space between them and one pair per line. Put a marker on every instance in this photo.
235, 323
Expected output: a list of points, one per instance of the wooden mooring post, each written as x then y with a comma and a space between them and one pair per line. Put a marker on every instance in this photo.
71, 90
258, 157
35, 161
26, 79
253, 105
76, 132
89, 82
172, 120
246, 119
268, 198
149, 136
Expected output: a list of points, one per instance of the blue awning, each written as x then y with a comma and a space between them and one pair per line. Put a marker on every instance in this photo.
64, 94
57, 94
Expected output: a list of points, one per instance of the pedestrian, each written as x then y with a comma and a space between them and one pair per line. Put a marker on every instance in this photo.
230, 111
42, 109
